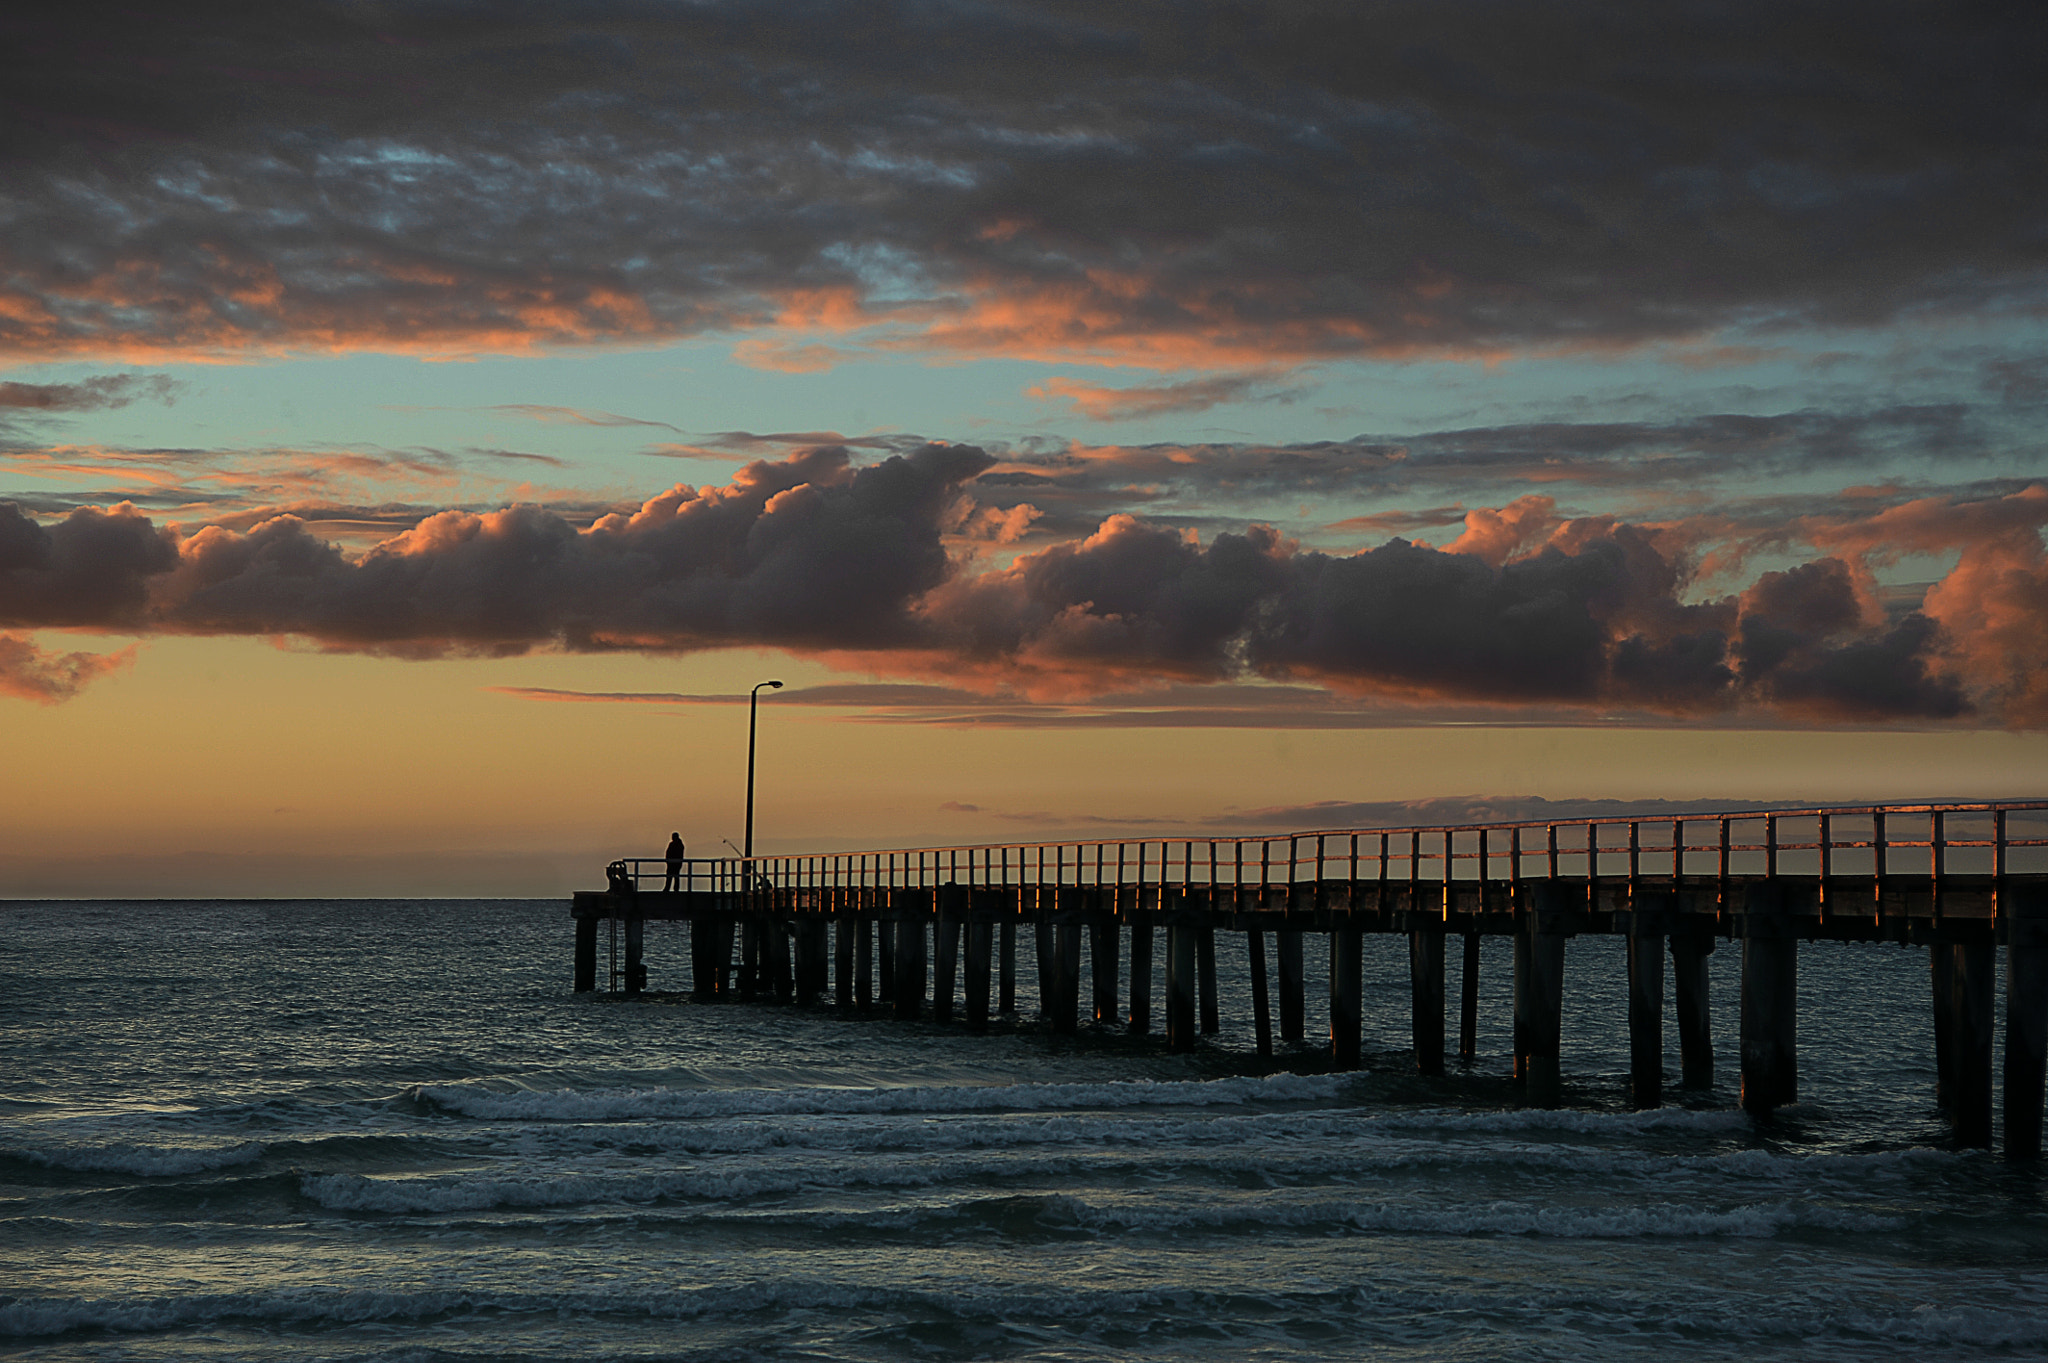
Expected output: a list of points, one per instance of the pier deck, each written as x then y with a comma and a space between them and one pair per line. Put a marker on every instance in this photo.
1963, 880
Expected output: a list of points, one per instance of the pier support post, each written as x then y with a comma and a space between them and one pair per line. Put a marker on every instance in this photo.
750, 957
1539, 994
1070, 966
636, 941
946, 950
1648, 918
1690, 947
1975, 988
1468, 1002
1293, 1019
863, 957
845, 931
1347, 998
779, 939
2025, 912
980, 945
1426, 998
1262, 1013
1006, 973
912, 912
1180, 986
885, 955
1941, 979
710, 956
1141, 975
806, 962
1205, 978
1770, 1002
1048, 967
586, 955
1103, 944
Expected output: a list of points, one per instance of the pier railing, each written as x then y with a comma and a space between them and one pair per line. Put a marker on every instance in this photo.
1965, 880
1931, 843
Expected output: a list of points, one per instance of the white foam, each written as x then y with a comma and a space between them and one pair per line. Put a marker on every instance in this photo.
622, 1104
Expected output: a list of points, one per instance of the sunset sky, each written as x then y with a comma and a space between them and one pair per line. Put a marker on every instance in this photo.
421, 424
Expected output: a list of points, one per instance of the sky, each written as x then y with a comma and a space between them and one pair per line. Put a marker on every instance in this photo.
422, 424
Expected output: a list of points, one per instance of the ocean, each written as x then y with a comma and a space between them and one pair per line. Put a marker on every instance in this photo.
388, 1130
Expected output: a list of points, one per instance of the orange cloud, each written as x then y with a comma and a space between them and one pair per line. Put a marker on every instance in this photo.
1099, 403
29, 673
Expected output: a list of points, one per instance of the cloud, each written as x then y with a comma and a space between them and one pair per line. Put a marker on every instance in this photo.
573, 416
810, 552
1210, 186
1099, 403
29, 673
89, 395
863, 567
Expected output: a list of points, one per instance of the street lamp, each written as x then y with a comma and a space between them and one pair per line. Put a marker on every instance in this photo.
753, 707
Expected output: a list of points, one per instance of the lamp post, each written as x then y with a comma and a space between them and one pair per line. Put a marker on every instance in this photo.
753, 708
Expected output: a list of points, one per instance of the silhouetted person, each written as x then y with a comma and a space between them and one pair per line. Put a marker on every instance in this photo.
675, 863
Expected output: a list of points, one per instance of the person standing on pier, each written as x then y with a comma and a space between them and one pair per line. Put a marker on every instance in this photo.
675, 863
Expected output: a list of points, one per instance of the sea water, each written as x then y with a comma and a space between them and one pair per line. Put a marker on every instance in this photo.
389, 1130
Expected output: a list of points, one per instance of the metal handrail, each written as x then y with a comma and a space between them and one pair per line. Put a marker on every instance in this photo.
1068, 861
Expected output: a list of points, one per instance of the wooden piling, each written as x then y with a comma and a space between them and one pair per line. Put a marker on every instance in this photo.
1205, 978
1141, 975
1468, 1002
2025, 911
1941, 979
1006, 967
1180, 986
1426, 998
636, 942
1644, 950
821, 957
1103, 944
1262, 1014
1519, 949
911, 911
751, 974
845, 929
980, 945
946, 950
1690, 948
1065, 974
586, 955
1293, 1008
1976, 965
779, 939
1770, 1002
885, 957
1539, 994
1347, 998
1048, 965
710, 956
863, 960
1070, 964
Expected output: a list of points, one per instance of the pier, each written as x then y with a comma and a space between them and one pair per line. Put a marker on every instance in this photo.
935, 932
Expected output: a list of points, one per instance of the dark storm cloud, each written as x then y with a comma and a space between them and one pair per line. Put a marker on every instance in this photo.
1215, 184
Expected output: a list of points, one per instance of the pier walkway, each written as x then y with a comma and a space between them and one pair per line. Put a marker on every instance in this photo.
862, 929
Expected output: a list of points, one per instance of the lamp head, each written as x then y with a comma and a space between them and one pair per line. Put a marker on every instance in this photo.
775, 686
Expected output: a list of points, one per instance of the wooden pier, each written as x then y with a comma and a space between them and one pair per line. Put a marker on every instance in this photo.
933, 932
